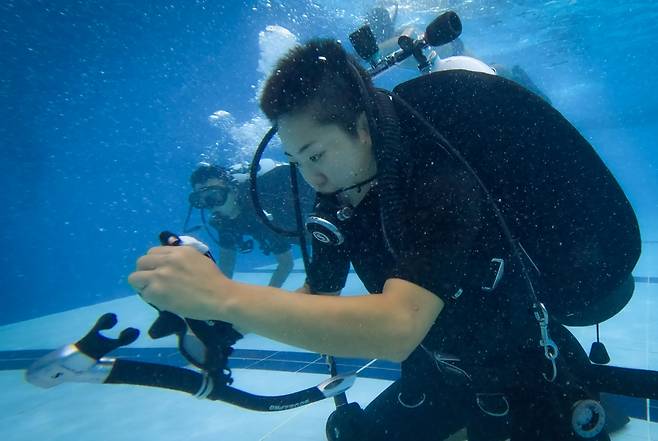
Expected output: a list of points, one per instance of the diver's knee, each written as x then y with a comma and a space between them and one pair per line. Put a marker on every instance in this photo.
347, 423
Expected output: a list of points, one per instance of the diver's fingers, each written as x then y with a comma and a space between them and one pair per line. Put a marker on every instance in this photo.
151, 262
161, 250
140, 280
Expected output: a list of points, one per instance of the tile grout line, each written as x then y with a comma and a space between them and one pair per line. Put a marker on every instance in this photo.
309, 364
286, 421
250, 366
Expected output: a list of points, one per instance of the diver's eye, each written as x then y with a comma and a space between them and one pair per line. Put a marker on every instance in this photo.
316, 157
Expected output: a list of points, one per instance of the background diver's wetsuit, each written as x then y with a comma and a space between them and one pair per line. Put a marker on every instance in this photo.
271, 185
232, 232
484, 345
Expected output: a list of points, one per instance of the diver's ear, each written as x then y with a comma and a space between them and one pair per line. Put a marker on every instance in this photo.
363, 129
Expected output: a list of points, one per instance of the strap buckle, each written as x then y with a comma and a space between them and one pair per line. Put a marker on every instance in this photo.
494, 275
495, 405
551, 351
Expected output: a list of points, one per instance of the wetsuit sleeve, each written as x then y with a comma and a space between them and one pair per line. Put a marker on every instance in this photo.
271, 243
328, 269
227, 241
228, 238
442, 230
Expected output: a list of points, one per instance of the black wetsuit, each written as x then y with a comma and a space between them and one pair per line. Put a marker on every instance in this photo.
232, 232
484, 345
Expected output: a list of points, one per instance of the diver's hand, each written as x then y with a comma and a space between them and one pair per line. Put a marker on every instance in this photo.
180, 280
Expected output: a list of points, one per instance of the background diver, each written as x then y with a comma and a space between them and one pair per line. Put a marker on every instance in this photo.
220, 191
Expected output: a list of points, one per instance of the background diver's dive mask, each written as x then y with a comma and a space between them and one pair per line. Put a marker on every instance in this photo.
211, 196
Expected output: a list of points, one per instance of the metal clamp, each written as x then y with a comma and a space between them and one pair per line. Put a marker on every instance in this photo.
206, 387
551, 351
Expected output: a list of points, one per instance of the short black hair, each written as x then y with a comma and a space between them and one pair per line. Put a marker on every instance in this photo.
320, 77
209, 171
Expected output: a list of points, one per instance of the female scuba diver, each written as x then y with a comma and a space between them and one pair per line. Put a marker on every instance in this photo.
454, 299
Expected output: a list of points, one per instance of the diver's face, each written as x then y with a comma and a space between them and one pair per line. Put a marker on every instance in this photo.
328, 157
229, 208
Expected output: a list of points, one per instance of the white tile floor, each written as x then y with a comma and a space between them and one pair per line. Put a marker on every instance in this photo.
109, 412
